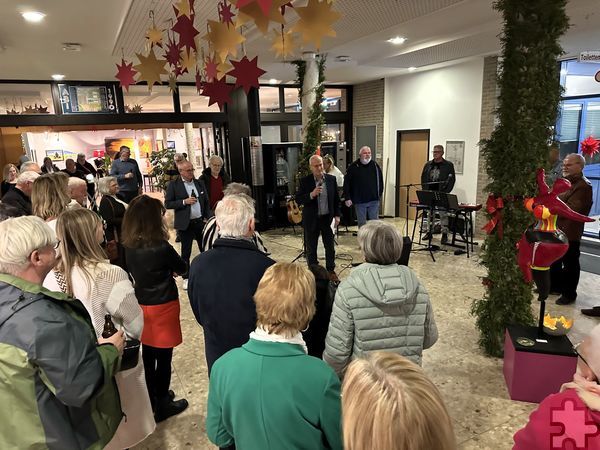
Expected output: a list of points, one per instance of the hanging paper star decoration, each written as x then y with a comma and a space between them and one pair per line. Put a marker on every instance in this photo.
264, 5
183, 8
590, 146
262, 20
150, 68
284, 44
217, 92
223, 68
154, 36
315, 22
225, 13
187, 32
172, 52
188, 60
125, 74
172, 83
225, 39
246, 73
211, 67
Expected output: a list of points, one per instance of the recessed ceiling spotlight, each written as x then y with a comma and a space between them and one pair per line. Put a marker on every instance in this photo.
412, 69
343, 58
33, 16
58, 76
272, 81
397, 40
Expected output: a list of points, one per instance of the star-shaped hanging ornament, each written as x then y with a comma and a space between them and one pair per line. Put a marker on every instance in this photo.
183, 8
172, 83
178, 70
316, 20
211, 68
125, 74
225, 13
199, 82
188, 60
150, 68
261, 20
217, 92
224, 39
264, 5
223, 68
187, 32
284, 44
154, 36
246, 73
172, 52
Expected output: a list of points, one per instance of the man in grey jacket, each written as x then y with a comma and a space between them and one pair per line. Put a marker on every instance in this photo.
128, 175
380, 306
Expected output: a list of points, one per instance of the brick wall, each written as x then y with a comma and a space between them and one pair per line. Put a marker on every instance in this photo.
367, 109
489, 99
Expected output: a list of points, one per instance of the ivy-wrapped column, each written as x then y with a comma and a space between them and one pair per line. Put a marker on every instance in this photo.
527, 109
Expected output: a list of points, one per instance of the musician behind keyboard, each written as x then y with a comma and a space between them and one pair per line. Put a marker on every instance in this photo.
438, 175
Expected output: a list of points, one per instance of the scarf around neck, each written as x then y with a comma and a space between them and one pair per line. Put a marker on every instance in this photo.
261, 334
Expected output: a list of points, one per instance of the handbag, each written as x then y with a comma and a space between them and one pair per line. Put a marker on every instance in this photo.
112, 247
131, 349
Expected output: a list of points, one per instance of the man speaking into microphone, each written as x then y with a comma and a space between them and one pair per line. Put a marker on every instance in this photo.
438, 175
319, 194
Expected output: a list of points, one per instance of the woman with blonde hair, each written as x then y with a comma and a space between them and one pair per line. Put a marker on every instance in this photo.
388, 403
9, 178
84, 273
50, 197
298, 395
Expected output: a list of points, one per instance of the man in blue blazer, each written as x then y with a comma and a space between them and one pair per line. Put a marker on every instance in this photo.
188, 197
319, 194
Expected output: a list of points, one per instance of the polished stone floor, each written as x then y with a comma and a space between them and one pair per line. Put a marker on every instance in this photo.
472, 384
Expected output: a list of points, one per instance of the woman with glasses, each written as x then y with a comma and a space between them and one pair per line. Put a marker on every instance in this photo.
84, 273
572, 414
153, 263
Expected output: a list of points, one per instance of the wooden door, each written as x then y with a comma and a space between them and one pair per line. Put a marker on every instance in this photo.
413, 150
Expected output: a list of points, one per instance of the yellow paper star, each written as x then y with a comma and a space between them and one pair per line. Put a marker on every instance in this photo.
285, 45
223, 68
154, 36
224, 39
150, 68
172, 83
188, 60
241, 19
183, 6
315, 22
262, 22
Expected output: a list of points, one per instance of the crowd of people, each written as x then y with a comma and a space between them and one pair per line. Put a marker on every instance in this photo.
296, 358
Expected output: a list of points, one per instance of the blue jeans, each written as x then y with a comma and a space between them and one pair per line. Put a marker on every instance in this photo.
366, 211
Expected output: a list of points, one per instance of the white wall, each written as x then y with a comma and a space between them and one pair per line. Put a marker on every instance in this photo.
446, 101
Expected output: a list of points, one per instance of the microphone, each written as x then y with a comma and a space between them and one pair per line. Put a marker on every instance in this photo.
319, 183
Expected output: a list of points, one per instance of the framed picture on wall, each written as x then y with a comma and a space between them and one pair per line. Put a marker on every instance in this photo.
55, 155
455, 153
159, 145
171, 145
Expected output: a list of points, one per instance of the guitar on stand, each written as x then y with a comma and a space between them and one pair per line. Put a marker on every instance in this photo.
293, 212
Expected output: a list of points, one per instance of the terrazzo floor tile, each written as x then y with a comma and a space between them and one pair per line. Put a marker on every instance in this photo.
471, 383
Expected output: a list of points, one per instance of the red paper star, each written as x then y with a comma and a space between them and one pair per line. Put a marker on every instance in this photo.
179, 70
225, 13
211, 69
199, 82
217, 92
246, 73
265, 5
185, 28
172, 53
125, 74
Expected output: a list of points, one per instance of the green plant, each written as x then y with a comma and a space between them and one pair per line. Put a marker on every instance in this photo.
527, 109
162, 162
316, 119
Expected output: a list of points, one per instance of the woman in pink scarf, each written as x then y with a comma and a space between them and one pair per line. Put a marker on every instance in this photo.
571, 418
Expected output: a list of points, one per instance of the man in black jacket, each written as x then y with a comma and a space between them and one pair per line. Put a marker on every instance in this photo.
438, 175
223, 280
187, 196
363, 187
319, 195
20, 196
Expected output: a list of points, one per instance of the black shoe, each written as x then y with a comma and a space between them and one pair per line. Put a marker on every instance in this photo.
171, 395
444, 239
562, 300
592, 312
169, 408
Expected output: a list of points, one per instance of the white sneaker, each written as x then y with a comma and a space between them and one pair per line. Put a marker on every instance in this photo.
185, 281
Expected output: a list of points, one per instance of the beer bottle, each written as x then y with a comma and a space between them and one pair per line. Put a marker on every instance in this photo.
109, 327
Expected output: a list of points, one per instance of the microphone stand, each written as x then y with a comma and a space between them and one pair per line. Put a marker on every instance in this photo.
408, 186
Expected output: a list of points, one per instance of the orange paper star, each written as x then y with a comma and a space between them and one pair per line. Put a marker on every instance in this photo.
283, 44
224, 39
183, 8
261, 20
188, 60
150, 68
316, 20
154, 36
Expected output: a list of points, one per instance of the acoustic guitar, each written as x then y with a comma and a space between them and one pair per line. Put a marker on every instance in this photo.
293, 212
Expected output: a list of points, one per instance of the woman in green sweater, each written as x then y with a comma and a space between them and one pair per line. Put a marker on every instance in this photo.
269, 394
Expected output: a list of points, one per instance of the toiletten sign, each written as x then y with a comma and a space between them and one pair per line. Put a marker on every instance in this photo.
589, 57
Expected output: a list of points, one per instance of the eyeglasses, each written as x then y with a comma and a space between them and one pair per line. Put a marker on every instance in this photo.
575, 347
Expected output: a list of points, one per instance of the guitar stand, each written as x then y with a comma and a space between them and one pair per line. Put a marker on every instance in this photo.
302, 253
430, 248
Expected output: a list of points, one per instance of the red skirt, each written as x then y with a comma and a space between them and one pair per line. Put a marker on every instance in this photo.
161, 325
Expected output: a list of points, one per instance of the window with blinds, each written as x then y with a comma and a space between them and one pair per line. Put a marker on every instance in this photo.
570, 117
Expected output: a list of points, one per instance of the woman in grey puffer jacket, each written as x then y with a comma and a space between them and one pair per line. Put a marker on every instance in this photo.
381, 305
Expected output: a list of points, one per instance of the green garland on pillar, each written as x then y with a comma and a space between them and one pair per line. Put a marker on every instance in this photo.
316, 119
162, 161
527, 109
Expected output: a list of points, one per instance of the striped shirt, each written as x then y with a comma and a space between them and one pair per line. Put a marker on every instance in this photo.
210, 235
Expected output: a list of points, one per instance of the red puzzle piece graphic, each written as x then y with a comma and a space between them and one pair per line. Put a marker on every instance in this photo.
577, 428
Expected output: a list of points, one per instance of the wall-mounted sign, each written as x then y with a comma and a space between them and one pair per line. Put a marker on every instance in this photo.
87, 99
589, 57
455, 153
